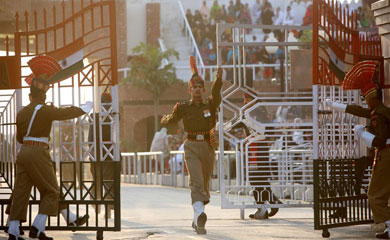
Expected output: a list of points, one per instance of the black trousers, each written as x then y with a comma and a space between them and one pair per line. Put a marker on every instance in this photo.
260, 172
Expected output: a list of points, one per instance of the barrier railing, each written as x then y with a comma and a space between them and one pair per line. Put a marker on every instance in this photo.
212, 68
154, 168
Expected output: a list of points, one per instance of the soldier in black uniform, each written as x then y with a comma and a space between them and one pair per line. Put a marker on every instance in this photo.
362, 76
199, 119
258, 160
33, 163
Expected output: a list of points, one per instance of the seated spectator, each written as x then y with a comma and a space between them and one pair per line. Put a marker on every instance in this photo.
205, 11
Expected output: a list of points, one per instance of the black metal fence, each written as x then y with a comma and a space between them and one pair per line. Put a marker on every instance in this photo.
340, 193
86, 188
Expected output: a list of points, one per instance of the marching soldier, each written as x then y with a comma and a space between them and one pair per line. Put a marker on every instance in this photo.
363, 76
33, 163
258, 158
199, 119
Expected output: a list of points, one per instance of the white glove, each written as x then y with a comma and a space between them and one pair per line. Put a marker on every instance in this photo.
335, 105
366, 137
87, 106
328, 102
358, 129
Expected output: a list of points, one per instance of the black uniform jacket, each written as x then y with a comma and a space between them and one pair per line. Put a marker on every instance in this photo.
41, 126
380, 122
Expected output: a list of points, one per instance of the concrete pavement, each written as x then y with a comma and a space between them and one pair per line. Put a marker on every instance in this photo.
155, 212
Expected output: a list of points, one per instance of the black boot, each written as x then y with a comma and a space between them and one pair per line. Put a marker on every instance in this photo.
273, 212
34, 234
79, 222
258, 215
384, 235
12, 237
201, 222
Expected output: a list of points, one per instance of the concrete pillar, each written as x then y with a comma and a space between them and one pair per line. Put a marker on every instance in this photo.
381, 11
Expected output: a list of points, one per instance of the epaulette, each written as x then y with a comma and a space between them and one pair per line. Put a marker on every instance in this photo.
180, 104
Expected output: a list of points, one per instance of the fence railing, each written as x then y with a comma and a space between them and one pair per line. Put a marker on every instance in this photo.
156, 169
210, 70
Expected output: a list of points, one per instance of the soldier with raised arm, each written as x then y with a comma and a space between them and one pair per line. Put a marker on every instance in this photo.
34, 166
199, 118
364, 75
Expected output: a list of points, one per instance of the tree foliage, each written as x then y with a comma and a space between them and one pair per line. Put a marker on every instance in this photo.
147, 70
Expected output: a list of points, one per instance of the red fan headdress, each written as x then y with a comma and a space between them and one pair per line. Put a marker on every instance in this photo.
43, 68
361, 77
29, 79
195, 78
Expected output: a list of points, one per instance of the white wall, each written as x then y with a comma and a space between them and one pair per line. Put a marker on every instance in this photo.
136, 23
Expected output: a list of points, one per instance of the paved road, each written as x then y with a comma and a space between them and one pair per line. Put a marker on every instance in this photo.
154, 212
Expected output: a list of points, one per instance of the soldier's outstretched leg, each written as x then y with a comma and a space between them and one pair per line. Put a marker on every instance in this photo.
386, 233
200, 218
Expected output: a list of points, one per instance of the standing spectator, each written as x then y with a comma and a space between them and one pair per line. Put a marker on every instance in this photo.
190, 18
160, 143
245, 16
308, 18
256, 11
231, 13
215, 12
267, 14
205, 11
279, 16
237, 8
288, 17
223, 14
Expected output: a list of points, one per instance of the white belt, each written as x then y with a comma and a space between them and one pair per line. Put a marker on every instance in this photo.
41, 139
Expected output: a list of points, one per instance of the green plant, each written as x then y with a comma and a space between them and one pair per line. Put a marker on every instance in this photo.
148, 71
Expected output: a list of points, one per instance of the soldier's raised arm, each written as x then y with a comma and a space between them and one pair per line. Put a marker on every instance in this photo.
216, 89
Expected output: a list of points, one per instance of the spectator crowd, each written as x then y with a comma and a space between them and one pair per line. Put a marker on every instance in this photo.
203, 24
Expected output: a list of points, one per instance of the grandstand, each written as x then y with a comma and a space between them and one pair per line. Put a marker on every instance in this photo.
175, 33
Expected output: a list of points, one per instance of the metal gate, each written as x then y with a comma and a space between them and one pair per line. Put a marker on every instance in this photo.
86, 149
341, 168
270, 134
